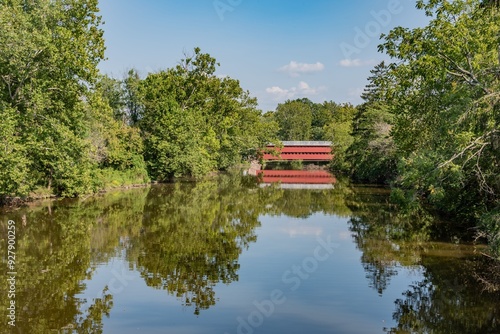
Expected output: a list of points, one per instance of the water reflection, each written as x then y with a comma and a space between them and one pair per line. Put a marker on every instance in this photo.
192, 236
52, 260
297, 179
449, 298
388, 239
187, 239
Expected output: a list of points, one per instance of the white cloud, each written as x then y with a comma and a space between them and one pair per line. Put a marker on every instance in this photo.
280, 93
295, 69
302, 90
294, 231
306, 89
356, 62
356, 92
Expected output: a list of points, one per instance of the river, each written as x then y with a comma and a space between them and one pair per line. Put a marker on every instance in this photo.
229, 255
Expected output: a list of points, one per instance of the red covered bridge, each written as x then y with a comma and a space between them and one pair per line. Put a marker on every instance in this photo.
300, 150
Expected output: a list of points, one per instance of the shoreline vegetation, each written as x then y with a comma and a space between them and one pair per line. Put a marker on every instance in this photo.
34, 198
112, 185
429, 126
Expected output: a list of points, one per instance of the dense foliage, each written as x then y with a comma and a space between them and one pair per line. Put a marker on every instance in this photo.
446, 108
58, 132
430, 121
67, 130
429, 124
49, 51
195, 122
372, 154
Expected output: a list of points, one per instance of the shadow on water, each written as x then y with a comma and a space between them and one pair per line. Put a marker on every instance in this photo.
187, 238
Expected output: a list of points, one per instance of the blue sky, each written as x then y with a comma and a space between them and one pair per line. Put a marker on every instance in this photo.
278, 49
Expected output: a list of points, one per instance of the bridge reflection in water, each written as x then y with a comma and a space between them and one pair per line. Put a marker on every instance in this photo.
297, 179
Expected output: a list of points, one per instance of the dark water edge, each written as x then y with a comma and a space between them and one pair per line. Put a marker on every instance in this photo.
189, 249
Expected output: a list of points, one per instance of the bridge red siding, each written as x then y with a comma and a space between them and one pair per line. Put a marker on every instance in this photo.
308, 153
300, 156
305, 149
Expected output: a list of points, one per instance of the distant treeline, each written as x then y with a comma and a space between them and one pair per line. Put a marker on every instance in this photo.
429, 124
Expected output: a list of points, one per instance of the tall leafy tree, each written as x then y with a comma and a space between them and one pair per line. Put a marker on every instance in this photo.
447, 112
339, 133
131, 85
113, 95
195, 122
115, 147
372, 154
322, 115
294, 119
49, 51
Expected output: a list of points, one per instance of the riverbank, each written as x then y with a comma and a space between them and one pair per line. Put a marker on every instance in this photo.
114, 182
17, 202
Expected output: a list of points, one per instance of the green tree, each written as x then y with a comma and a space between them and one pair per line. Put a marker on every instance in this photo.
294, 119
322, 115
116, 147
14, 172
113, 94
445, 101
49, 51
339, 133
372, 154
195, 122
131, 85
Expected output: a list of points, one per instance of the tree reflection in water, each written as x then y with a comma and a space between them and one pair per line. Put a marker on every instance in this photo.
192, 237
186, 238
193, 234
449, 298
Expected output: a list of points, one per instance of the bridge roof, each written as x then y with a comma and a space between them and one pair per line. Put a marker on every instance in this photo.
305, 143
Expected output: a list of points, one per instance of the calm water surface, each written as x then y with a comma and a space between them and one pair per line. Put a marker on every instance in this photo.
229, 256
